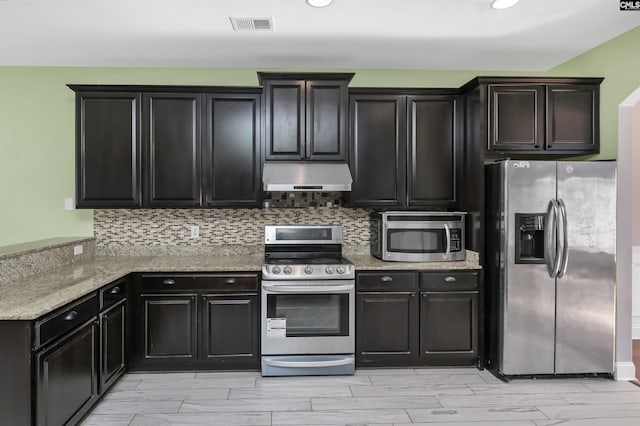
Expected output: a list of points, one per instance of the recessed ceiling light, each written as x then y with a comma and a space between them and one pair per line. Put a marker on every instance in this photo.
503, 4
319, 3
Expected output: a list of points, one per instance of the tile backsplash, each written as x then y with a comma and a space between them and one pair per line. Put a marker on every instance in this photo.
222, 231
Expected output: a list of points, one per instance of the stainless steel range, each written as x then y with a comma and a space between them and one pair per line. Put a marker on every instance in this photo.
308, 302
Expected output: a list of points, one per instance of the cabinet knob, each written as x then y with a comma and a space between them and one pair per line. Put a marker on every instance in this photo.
115, 290
386, 279
230, 281
169, 281
536, 146
71, 316
450, 279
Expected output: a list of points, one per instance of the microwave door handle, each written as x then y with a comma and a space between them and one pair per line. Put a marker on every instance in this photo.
447, 235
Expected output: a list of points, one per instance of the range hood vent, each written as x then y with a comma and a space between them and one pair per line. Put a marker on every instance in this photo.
306, 176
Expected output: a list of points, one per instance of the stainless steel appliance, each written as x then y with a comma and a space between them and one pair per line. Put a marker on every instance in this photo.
308, 302
551, 267
418, 236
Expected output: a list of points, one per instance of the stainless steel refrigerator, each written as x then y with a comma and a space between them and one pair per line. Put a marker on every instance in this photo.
550, 267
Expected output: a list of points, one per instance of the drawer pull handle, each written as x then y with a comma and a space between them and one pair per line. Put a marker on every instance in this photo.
450, 279
169, 281
230, 281
386, 279
71, 316
115, 290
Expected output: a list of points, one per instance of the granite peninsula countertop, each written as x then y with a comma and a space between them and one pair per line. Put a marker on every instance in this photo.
37, 295
30, 298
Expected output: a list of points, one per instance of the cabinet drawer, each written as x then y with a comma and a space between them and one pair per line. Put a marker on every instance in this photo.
66, 319
448, 280
380, 281
208, 282
113, 293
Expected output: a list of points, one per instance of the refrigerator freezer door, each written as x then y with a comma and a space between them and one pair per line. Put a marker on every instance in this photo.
586, 292
528, 293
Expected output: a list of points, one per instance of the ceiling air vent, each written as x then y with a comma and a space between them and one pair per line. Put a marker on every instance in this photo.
251, 24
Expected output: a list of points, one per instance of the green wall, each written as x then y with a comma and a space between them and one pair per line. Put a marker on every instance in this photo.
37, 123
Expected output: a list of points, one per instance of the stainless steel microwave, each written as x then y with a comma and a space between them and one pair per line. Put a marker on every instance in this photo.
418, 236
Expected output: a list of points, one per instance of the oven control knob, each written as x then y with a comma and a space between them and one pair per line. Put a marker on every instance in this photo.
275, 270
287, 269
340, 269
308, 270
329, 270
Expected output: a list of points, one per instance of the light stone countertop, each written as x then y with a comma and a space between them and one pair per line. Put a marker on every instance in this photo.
370, 263
37, 295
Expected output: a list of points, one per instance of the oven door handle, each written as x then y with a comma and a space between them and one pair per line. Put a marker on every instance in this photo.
308, 289
308, 364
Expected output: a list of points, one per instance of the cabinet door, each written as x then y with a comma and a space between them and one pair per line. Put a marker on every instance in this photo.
285, 120
432, 155
67, 382
169, 330
378, 150
449, 328
572, 118
172, 149
108, 149
232, 150
326, 120
112, 340
230, 331
386, 328
516, 118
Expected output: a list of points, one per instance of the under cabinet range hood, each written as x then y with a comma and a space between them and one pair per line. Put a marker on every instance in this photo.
306, 176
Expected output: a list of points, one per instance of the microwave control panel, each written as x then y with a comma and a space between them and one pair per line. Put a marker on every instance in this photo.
454, 239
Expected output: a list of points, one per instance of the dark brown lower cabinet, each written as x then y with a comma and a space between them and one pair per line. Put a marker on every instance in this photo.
169, 330
449, 328
230, 331
386, 329
67, 377
427, 318
113, 344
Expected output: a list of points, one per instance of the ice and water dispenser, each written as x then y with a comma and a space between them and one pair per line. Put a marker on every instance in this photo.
529, 237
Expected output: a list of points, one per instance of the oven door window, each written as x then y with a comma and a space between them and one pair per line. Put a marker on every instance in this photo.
311, 314
416, 240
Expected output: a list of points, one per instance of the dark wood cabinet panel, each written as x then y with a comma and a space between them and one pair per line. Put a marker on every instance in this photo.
67, 383
378, 150
386, 328
516, 117
113, 344
231, 151
326, 120
573, 118
432, 150
172, 137
230, 331
285, 119
169, 329
448, 324
108, 149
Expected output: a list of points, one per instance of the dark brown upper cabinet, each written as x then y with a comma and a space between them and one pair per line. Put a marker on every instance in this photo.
168, 146
108, 148
530, 115
305, 115
231, 150
172, 135
403, 148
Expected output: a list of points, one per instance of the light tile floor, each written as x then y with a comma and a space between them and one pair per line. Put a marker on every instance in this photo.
436, 397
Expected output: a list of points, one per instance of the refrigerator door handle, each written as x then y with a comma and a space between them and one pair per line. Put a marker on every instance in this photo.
551, 255
562, 227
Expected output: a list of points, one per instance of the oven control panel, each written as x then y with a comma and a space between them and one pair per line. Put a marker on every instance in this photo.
308, 271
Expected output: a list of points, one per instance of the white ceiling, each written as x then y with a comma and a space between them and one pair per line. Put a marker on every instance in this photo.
392, 34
